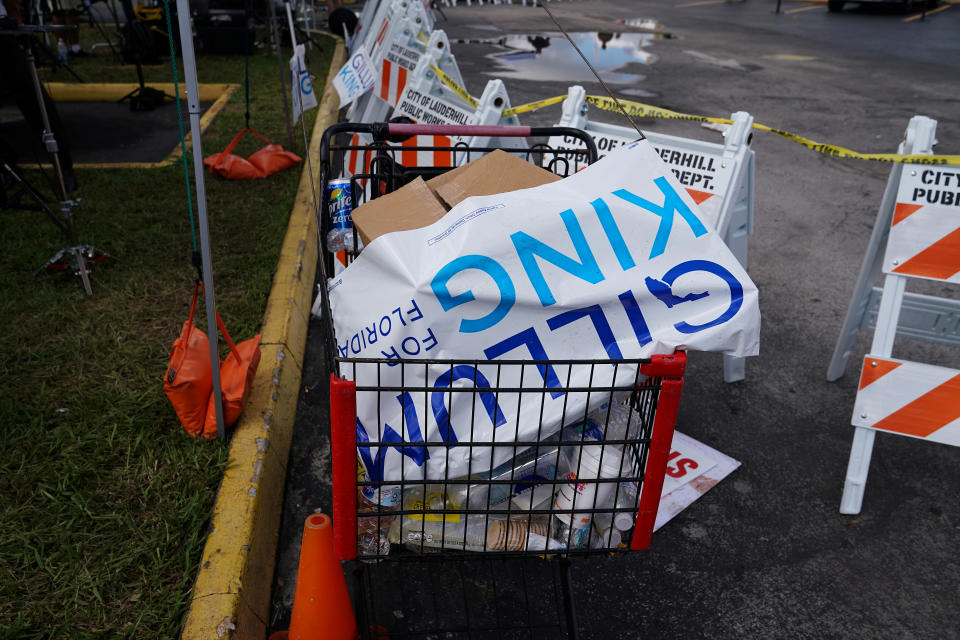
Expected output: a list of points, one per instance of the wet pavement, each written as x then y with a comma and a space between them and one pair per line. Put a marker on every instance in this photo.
765, 554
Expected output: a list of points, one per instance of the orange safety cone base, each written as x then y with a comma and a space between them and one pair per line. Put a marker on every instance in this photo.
321, 602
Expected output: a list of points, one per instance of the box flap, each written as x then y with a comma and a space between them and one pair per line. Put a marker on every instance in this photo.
496, 172
410, 207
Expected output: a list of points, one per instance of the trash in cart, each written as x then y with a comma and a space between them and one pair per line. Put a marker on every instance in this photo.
536, 481
610, 263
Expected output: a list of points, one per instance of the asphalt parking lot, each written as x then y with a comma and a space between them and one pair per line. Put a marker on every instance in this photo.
765, 554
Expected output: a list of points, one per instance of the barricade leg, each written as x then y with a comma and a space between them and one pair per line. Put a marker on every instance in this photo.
734, 368
857, 469
869, 270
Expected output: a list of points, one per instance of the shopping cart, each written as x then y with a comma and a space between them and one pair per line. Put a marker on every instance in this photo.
382, 157
487, 554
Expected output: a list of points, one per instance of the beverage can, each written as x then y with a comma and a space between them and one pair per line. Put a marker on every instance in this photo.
339, 203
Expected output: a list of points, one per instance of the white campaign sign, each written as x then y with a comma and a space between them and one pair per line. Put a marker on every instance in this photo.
302, 88
688, 460
355, 78
704, 175
612, 262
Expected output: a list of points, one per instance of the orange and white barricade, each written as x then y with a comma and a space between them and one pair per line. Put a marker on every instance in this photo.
916, 235
923, 317
429, 99
908, 398
719, 177
363, 24
399, 33
404, 49
372, 32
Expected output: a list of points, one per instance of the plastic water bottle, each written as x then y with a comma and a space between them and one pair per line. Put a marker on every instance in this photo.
596, 462
61, 51
335, 241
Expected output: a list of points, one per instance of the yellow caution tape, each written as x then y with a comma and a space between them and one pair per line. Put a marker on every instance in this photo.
842, 152
422, 37
532, 106
645, 110
641, 110
648, 111
452, 84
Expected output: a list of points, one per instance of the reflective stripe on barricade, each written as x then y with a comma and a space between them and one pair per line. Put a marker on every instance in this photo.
357, 160
393, 80
718, 177
924, 236
412, 157
909, 398
921, 238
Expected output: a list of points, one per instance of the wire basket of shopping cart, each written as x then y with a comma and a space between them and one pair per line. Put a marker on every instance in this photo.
455, 480
380, 158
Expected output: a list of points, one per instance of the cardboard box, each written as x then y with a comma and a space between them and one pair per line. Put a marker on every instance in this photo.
496, 172
420, 203
410, 207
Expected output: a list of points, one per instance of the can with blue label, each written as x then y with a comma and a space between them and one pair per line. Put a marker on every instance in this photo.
339, 203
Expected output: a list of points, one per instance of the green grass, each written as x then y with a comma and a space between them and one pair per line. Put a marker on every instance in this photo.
104, 500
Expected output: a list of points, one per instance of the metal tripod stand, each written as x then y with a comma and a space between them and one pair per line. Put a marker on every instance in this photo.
76, 257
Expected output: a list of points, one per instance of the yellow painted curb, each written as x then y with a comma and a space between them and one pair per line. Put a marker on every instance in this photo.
112, 92
231, 596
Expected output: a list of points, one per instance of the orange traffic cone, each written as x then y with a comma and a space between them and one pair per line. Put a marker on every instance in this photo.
321, 603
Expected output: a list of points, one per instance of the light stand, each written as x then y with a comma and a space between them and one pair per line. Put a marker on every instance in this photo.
76, 257
143, 98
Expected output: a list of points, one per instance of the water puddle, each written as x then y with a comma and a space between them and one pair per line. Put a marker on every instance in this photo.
617, 57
